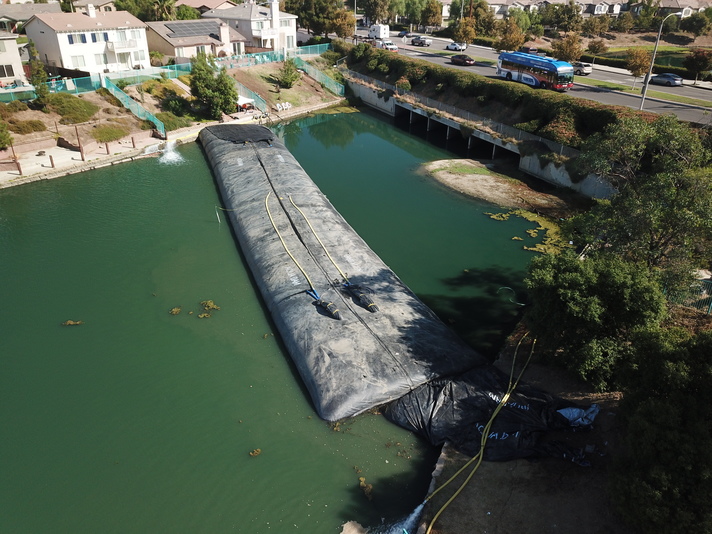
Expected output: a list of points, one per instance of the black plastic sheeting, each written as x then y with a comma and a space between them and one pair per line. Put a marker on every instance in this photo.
457, 410
355, 353
364, 359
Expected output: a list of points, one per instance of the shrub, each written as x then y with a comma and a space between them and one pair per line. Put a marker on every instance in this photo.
331, 57
171, 122
26, 127
177, 105
403, 84
122, 83
105, 134
73, 109
372, 64
383, 68
5, 137
288, 74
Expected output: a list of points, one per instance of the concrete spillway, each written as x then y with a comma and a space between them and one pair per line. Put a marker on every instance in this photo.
301, 252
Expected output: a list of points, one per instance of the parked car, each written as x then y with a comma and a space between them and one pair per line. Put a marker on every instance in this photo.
458, 47
404, 33
582, 69
420, 40
667, 78
462, 59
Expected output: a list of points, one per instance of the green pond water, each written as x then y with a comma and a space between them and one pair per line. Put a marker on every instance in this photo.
141, 421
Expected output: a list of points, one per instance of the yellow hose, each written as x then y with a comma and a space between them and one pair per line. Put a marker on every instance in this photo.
483, 440
269, 214
319, 240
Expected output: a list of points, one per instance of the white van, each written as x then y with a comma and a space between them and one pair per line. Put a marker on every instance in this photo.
379, 31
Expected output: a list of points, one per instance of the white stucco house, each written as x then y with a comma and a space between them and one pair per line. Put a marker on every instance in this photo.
262, 26
185, 38
10, 62
206, 5
93, 42
82, 6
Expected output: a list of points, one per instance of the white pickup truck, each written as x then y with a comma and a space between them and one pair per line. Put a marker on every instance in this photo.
386, 44
420, 40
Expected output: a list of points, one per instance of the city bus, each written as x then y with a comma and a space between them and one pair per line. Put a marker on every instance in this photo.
536, 71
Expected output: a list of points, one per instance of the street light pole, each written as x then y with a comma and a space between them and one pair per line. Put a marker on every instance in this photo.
646, 82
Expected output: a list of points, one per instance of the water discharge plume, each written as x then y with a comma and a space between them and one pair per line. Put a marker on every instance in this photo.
170, 155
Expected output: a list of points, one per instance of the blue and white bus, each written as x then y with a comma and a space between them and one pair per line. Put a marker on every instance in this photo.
536, 71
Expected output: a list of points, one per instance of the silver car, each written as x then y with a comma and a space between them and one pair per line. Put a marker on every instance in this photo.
667, 78
582, 69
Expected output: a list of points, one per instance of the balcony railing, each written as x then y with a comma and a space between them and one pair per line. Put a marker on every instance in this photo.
121, 45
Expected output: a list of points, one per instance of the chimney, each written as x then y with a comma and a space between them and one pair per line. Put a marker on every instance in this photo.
91, 11
274, 12
224, 33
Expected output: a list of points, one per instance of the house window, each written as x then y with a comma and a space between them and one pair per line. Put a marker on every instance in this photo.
290, 41
200, 49
179, 52
135, 34
101, 59
258, 25
77, 61
98, 37
121, 35
6, 71
107, 8
2, 46
77, 38
284, 23
139, 55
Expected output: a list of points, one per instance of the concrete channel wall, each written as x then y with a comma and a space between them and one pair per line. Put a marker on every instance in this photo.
592, 186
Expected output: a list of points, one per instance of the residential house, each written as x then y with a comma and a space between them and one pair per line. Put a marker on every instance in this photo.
93, 42
686, 7
13, 16
185, 38
82, 6
10, 62
206, 5
262, 26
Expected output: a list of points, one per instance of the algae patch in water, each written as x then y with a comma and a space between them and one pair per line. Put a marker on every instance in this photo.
175, 311
552, 242
69, 322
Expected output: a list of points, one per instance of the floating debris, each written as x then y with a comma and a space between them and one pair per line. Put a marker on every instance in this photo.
367, 488
204, 315
517, 238
72, 323
256, 452
209, 305
175, 311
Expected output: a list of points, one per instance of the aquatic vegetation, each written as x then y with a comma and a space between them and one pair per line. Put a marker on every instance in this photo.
209, 305
517, 238
204, 315
552, 242
255, 452
175, 311
367, 488
69, 322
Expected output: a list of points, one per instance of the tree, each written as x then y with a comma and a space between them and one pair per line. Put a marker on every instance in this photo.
698, 61
521, 17
661, 477
584, 312
414, 10
464, 31
38, 75
216, 95
377, 10
432, 14
624, 23
595, 26
646, 15
597, 47
637, 62
511, 37
569, 17
288, 74
343, 23
185, 12
697, 24
395, 8
569, 48
661, 216
164, 9
482, 14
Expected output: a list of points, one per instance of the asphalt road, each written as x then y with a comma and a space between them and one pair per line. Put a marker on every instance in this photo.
694, 114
